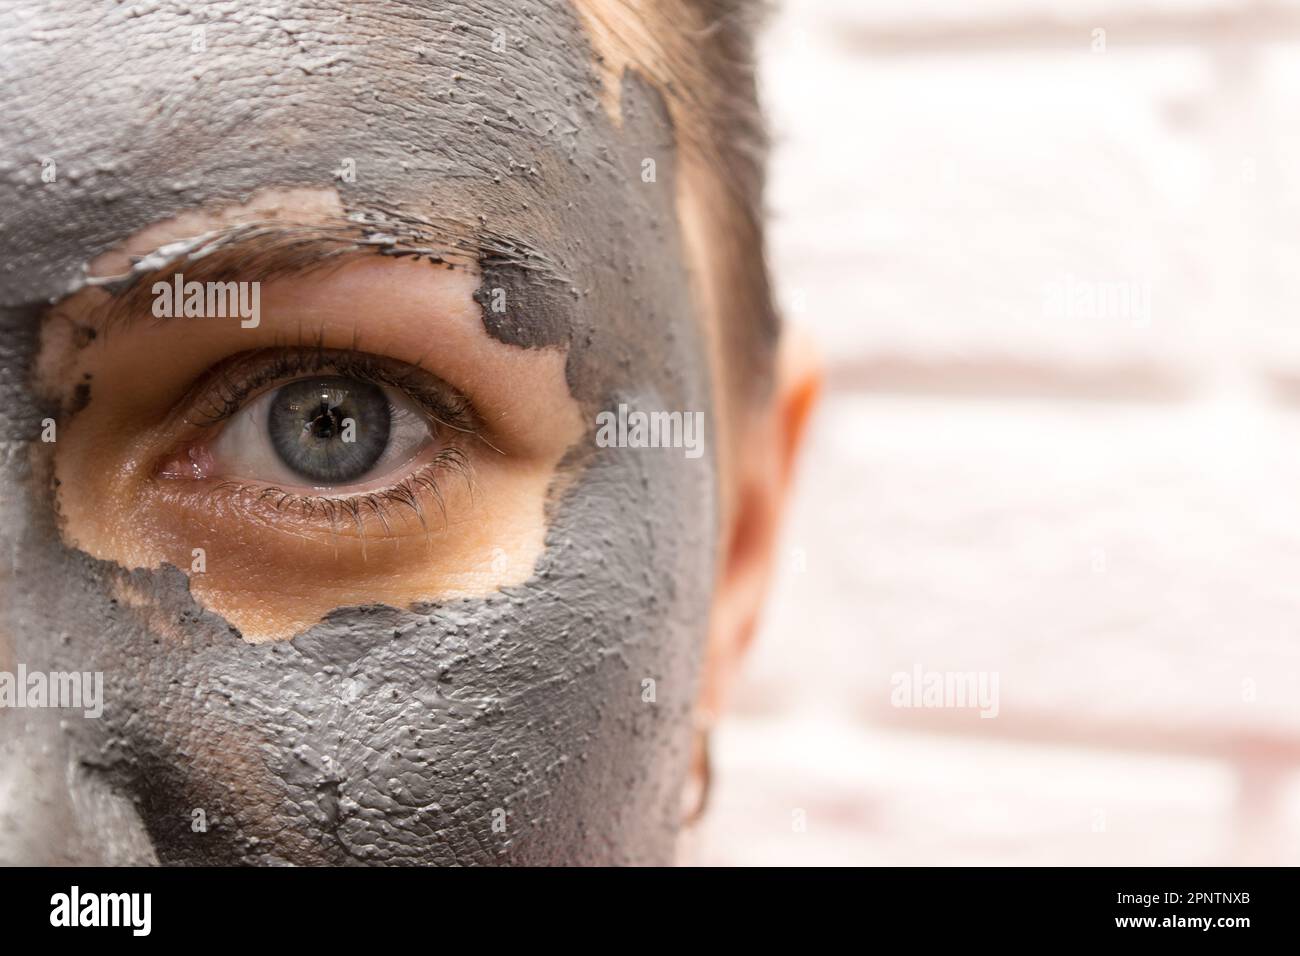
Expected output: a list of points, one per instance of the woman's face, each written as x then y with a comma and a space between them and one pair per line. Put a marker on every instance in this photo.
464, 630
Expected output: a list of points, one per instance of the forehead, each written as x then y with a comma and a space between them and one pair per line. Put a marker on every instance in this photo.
448, 110
423, 118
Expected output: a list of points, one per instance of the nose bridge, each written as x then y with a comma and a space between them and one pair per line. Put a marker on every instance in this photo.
35, 803
55, 807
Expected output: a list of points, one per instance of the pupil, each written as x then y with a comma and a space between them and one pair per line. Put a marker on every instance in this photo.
328, 422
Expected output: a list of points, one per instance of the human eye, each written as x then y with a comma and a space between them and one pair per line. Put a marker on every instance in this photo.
330, 433
368, 443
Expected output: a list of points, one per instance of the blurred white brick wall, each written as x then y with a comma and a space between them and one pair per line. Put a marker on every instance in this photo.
1101, 506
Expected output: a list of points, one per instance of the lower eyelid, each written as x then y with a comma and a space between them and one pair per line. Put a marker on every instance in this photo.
428, 461
422, 495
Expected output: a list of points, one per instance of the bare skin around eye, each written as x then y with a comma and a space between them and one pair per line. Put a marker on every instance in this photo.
272, 570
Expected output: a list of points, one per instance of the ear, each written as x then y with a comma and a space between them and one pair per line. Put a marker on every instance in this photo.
761, 478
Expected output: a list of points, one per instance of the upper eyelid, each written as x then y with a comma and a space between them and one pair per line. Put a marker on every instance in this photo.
222, 386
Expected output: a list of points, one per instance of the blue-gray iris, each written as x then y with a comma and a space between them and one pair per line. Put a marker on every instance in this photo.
329, 430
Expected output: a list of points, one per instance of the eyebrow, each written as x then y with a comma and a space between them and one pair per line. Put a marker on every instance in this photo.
266, 250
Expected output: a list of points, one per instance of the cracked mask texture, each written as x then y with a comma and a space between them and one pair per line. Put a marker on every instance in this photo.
382, 734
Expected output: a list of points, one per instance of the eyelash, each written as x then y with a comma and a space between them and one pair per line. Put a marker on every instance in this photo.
228, 388
404, 494
229, 394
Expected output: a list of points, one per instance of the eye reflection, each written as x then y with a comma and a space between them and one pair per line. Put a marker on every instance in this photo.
329, 430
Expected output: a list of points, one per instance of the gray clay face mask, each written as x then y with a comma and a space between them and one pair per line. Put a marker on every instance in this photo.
514, 727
